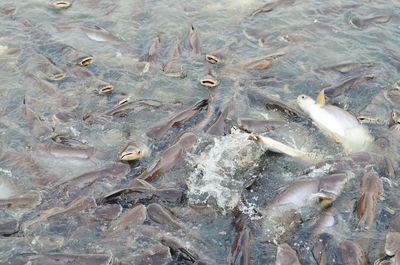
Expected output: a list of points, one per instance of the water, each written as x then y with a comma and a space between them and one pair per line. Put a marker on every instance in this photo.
45, 96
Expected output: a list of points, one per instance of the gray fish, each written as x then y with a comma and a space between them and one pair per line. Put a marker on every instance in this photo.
392, 243
159, 131
351, 253
341, 88
59, 151
179, 248
126, 106
96, 33
348, 68
24, 164
209, 79
241, 248
259, 126
77, 185
194, 41
38, 127
173, 67
154, 50
61, 258
128, 220
219, 126
262, 99
61, 53
26, 200
271, 6
285, 255
170, 157
371, 189
363, 23
39, 66
161, 215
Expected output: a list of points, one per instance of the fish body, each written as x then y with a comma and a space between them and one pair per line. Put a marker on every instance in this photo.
337, 123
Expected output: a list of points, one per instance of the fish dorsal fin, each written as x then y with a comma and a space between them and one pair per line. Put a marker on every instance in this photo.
321, 98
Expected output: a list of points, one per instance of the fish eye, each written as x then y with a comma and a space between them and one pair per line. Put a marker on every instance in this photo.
303, 97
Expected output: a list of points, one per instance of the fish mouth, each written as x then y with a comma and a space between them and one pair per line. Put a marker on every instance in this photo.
208, 81
105, 89
86, 61
57, 76
129, 156
212, 59
60, 4
367, 119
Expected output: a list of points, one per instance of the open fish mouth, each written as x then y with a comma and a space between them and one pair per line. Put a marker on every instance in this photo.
60, 4
368, 119
213, 59
209, 81
105, 89
85, 61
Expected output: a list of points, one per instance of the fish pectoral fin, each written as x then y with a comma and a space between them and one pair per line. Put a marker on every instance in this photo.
321, 98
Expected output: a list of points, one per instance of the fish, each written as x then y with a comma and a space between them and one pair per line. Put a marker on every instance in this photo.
241, 246
371, 189
392, 243
60, 4
269, 102
194, 41
39, 66
77, 186
61, 53
128, 105
38, 128
351, 253
341, 88
29, 199
173, 67
154, 50
161, 215
69, 258
347, 68
134, 150
363, 23
259, 126
278, 147
337, 123
24, 164
170, 157
95, 33
219, 126
179, 248
209, 79
271, 6
285, 255
158, 131
128, 219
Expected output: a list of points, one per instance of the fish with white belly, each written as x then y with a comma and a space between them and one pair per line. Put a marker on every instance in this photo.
337, 123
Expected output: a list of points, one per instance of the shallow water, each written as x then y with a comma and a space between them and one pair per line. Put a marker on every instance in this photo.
55, 126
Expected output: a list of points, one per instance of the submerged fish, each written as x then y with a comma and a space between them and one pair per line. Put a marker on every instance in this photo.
337, 123
371, 189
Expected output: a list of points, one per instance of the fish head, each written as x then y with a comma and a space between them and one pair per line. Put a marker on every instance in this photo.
305, 103
133, 151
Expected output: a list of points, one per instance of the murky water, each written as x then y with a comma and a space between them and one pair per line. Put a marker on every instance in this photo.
82, 79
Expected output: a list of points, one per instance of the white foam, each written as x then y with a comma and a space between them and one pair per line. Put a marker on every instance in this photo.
215, 178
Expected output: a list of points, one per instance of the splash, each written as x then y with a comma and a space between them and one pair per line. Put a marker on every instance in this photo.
222, 169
